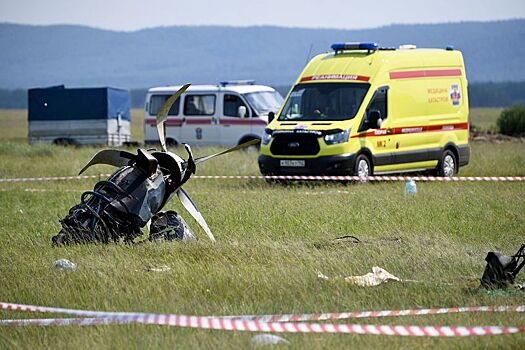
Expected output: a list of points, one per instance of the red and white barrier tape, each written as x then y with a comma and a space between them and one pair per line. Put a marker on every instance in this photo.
276, 327
300, 178
253, 323
375, 314
372, 178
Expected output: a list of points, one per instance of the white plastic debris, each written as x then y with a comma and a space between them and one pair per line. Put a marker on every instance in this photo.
374, 278
161, 268
268, 339
410, 188
64, 265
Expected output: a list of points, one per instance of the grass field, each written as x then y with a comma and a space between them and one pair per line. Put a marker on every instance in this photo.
271, 241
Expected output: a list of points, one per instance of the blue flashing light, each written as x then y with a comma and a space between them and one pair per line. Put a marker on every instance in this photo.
237, 82
355, 46
450, 48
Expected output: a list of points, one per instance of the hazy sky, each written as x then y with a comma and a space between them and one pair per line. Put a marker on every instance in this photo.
138, 14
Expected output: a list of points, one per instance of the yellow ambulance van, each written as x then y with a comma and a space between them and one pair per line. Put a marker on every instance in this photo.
363, 110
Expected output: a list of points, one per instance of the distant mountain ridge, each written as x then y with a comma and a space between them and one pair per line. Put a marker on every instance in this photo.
33, 56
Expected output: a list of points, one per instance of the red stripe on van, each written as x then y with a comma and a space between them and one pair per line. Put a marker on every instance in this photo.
169, 122
426, 73
198, 121
207, 121
335, 77
414, 130
242, 122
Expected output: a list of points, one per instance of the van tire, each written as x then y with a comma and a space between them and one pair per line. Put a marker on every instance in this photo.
65, 141
448, 165
170, 142
363, 166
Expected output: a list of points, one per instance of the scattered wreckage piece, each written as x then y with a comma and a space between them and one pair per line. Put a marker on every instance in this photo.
134, 195
374, 278
501, 270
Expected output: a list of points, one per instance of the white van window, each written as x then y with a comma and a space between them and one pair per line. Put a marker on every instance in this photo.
199, 105
156, 101
264, 101
231, 105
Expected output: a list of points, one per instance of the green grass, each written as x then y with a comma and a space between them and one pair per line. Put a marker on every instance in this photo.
13, 124
484, 119
271, 241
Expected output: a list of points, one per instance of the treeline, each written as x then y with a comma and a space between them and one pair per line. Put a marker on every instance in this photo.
480, 95
79, 55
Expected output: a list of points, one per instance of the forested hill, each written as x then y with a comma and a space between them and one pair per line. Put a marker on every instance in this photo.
81, 56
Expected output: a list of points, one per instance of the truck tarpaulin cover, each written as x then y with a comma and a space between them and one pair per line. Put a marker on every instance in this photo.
59, 103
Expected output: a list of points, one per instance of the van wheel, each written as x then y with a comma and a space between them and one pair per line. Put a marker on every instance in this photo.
65, 141
363, 166
448, 165
171, 142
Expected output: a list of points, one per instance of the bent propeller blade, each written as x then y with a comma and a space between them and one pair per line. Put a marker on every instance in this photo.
190, 165
163, 114
110, 157
238, 147
192, 209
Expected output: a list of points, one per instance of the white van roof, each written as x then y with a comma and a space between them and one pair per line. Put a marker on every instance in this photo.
240, 89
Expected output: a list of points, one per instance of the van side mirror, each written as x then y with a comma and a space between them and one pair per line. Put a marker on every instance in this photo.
241, 111
373, 119
271, 117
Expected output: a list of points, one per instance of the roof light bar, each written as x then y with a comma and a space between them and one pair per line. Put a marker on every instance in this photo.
237, 82
354, 46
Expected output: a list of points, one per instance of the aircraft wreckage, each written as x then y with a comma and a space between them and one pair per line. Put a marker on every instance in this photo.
134, 195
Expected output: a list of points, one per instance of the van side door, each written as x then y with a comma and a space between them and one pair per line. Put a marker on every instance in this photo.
235, 122
377, 122
199, 119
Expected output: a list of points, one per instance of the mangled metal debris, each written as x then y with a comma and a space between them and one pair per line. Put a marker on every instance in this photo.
501, 270
134, 195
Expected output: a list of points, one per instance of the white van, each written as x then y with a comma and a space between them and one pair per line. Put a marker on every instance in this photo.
227, 114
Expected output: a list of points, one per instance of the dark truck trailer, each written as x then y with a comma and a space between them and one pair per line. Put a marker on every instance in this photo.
79, 116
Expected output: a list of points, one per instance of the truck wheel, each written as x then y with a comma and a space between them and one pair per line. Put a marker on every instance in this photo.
363, 167
448, 166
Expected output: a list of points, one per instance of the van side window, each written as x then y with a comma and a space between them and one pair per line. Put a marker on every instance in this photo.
156, 101
377, 110
231, 105
199, 105
379, 102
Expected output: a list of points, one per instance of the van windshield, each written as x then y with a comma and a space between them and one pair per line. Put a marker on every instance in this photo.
264, 101
324, 101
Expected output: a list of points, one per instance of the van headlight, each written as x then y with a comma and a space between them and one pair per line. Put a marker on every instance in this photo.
339, 137
267, 136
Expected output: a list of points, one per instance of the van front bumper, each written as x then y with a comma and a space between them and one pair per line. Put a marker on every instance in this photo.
325, 165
